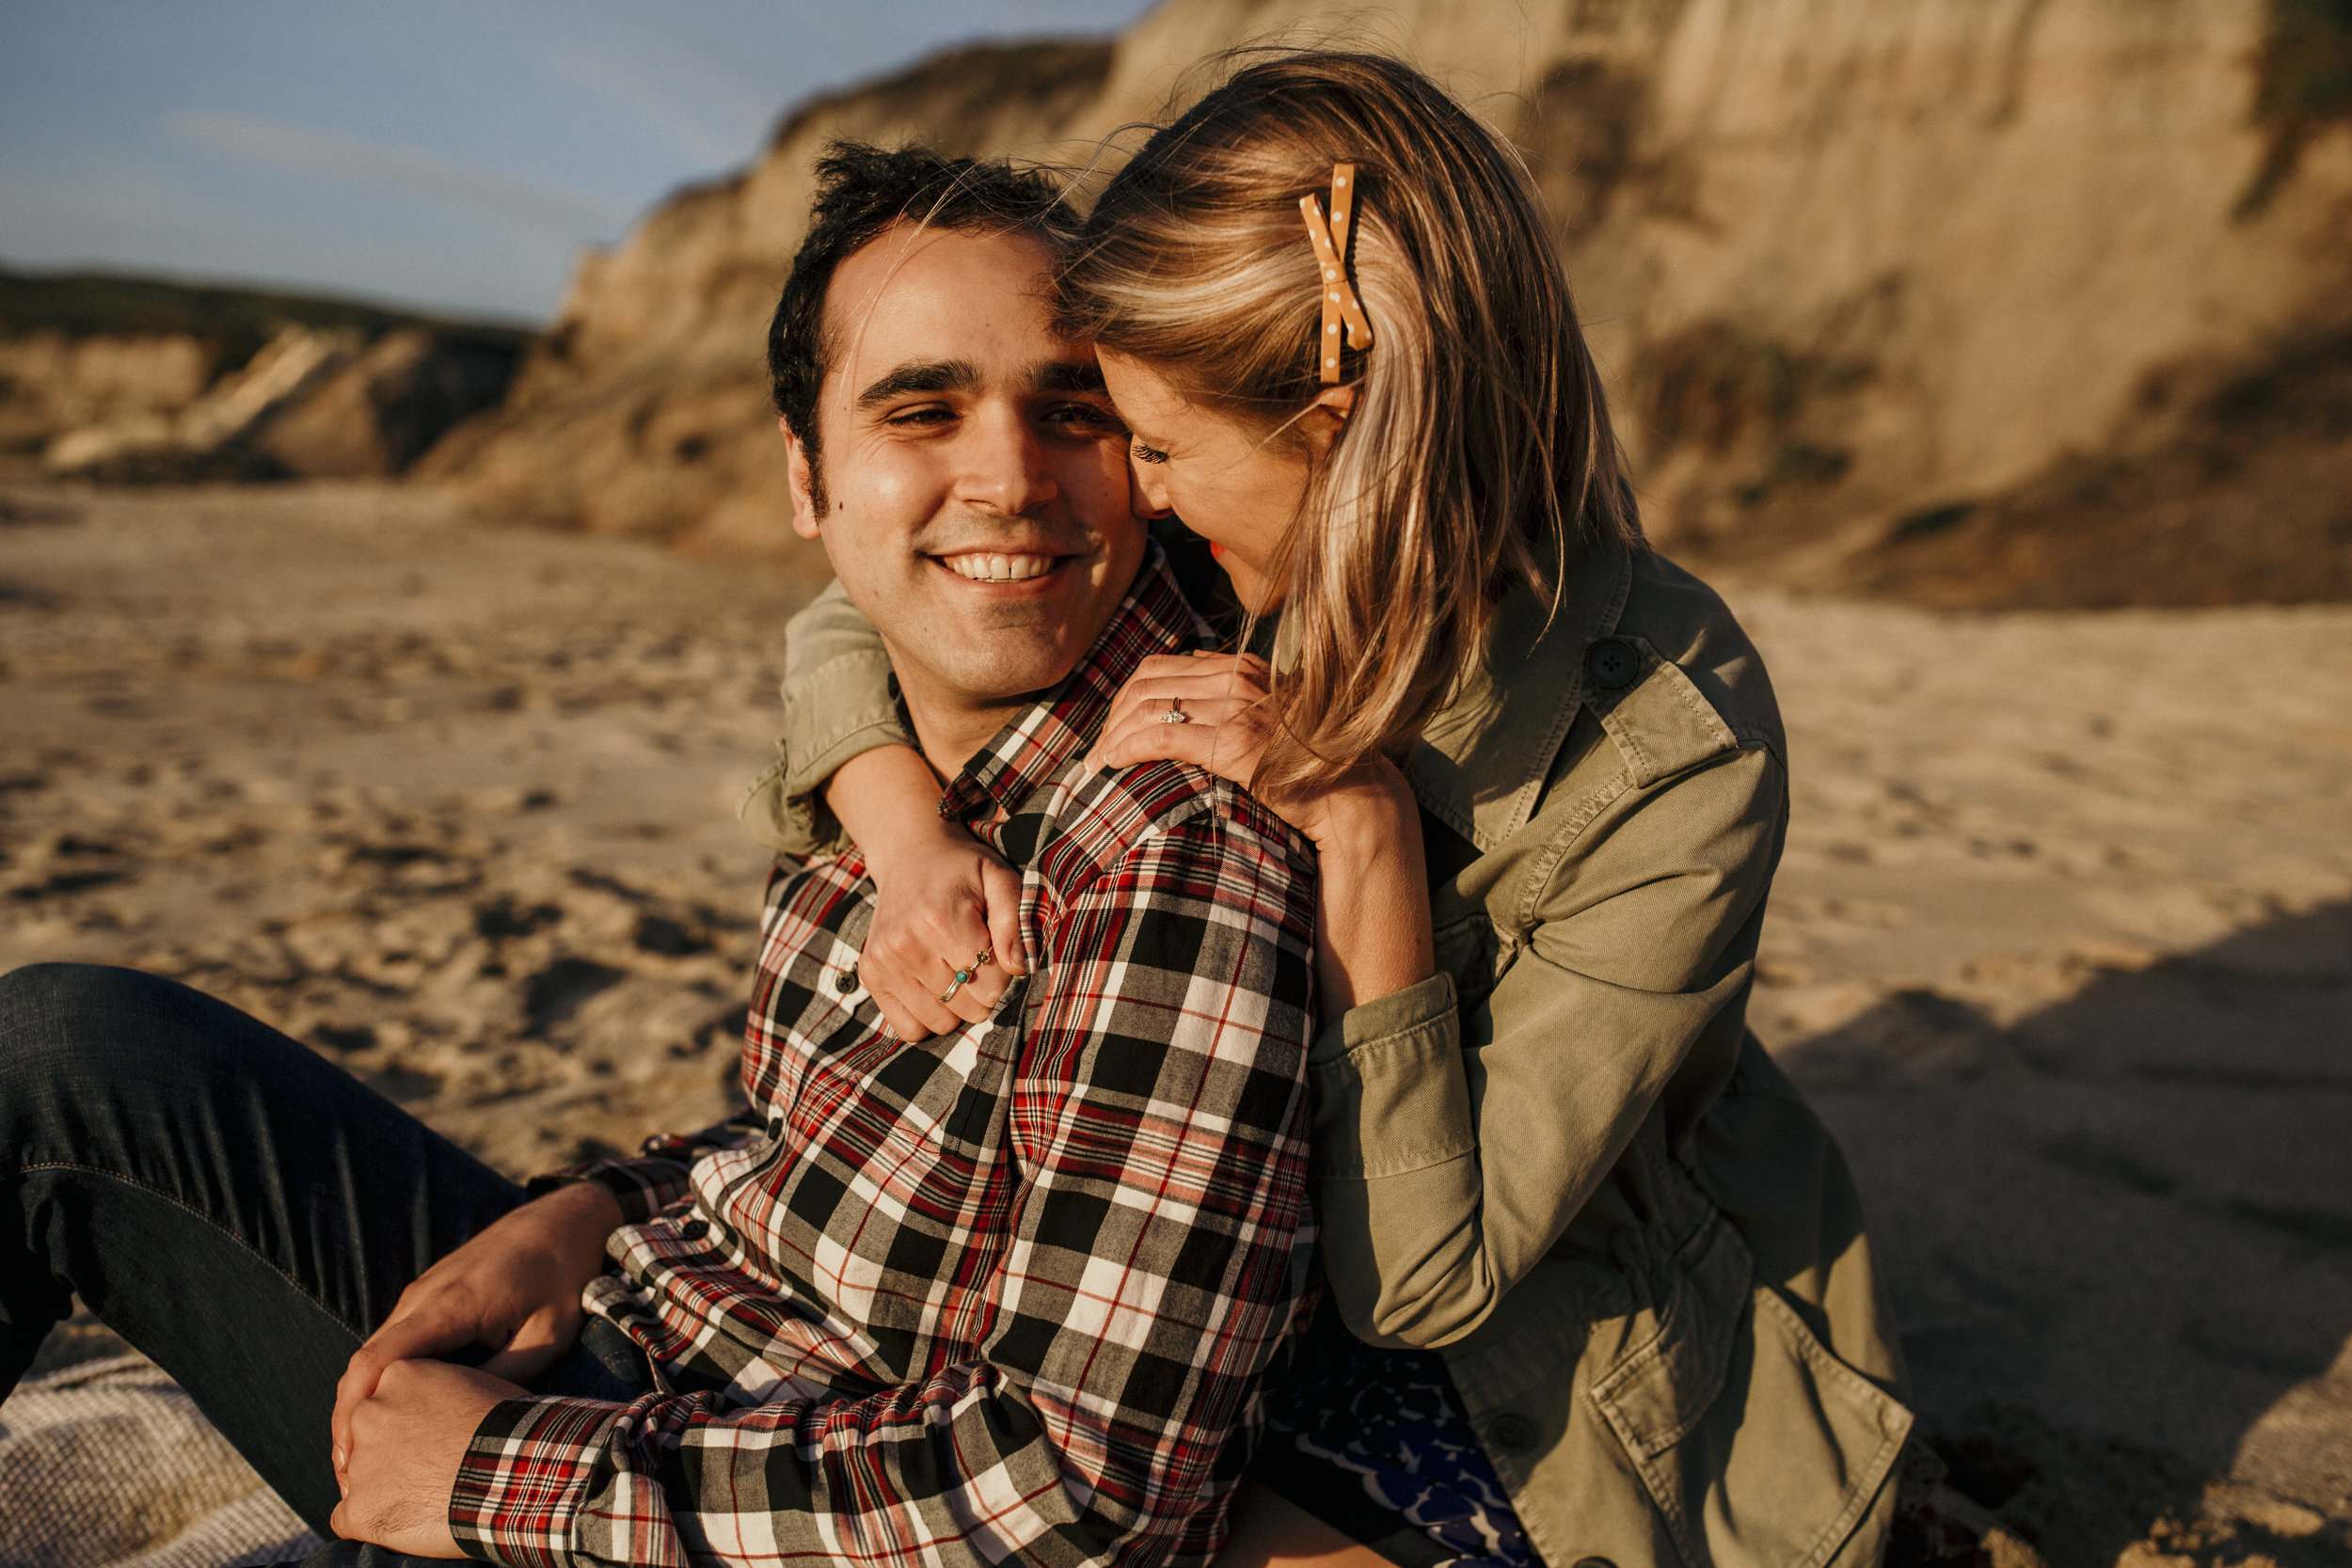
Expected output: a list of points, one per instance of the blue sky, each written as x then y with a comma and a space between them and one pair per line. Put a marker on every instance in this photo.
451, 154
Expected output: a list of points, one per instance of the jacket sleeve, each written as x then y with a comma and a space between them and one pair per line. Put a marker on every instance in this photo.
1160, 1248
838, 701
1453, 1145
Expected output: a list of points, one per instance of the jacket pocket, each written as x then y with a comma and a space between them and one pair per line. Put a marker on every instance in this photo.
1760, 1449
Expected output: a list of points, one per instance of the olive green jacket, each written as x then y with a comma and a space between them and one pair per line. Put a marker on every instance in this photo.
1564, 1161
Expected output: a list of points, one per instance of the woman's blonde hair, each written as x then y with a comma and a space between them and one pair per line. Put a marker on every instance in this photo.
1478, 437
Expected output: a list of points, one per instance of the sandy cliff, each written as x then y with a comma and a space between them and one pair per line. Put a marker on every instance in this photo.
644, 408
1862, 277
134, 379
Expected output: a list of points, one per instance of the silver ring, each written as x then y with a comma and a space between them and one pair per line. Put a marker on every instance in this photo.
1175, 715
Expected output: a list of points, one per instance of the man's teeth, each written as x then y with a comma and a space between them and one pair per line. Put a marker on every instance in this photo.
1000, 569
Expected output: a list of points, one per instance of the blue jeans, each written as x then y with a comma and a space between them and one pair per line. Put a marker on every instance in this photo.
240, 1209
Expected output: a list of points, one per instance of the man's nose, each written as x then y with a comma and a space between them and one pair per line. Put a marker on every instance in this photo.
1005, 466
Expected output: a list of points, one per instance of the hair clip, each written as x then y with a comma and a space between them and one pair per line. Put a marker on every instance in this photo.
1339, 304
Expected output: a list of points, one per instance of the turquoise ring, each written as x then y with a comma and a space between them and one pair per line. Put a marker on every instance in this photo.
963, 976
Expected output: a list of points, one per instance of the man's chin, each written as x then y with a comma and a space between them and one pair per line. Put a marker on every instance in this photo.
1003, 678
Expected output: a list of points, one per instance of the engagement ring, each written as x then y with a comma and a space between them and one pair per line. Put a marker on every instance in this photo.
1175, 715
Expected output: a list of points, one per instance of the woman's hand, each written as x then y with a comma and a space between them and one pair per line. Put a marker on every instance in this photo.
942, 898
1227, 720
1372, 924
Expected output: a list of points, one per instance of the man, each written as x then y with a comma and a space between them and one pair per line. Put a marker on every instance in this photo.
1004, 1293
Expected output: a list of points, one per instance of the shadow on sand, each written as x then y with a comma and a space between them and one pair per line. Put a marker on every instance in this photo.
2118, 1234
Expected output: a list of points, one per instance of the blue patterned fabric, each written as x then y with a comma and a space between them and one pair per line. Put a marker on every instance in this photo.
1390, 1422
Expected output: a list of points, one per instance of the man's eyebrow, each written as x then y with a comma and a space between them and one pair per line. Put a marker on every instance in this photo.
1067, 375
941, 376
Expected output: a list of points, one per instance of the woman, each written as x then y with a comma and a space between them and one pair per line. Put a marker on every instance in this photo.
1607, 1292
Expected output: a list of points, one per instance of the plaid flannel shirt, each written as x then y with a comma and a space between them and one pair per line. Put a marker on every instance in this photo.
1004, 1294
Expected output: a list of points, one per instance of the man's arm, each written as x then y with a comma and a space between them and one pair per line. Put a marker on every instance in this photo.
515, 1290
1160, 1249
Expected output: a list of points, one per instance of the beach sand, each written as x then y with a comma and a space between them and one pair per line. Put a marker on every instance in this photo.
2062, 947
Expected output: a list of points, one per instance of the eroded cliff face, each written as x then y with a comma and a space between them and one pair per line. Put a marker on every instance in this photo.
645, 410
1847, 265
129, 379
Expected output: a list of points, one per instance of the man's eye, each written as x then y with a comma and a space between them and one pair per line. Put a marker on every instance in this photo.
929, 414
1084, 418
1146, 454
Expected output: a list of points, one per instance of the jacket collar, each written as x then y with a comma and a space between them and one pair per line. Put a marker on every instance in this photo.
1480, 765
1043, 739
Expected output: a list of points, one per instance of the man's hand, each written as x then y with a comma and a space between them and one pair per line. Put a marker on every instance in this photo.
406, 1442
515, 1289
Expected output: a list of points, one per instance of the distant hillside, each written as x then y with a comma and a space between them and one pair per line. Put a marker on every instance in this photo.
1952, 299
81, 305
138, 379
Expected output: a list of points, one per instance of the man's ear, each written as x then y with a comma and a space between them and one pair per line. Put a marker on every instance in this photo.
800, 475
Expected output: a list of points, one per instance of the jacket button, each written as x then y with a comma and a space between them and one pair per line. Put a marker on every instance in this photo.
1514, 1435
846, 981
1612, 663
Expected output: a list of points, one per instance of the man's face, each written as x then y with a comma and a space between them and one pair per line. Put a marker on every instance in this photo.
975, 477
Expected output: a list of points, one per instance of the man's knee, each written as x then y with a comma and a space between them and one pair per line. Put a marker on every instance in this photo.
52, 1006
64, 1025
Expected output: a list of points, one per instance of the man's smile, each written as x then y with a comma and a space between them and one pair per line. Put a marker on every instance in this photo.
1002, 566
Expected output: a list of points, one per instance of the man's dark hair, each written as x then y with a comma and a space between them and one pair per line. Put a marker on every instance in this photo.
861, 191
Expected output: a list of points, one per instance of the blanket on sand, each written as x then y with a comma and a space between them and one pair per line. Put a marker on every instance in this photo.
108, 1464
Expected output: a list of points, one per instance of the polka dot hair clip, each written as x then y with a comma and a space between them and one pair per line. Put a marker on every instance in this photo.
1339, 304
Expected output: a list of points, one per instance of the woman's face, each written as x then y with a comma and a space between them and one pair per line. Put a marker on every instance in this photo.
1230, 482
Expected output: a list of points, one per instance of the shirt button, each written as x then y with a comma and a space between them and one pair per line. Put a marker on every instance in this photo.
1612, 663
1513, 1433
694, 1230
846, 981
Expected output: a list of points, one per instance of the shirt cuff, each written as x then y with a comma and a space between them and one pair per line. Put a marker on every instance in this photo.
1391, 1093
642, 1187
524, 1477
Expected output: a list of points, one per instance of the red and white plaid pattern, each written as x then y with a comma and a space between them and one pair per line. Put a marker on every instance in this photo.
1003, 1294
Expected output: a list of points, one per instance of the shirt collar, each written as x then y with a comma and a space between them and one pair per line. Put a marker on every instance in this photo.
1481, 762
1153, 618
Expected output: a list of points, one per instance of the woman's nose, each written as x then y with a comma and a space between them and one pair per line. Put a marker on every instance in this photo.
1147, 493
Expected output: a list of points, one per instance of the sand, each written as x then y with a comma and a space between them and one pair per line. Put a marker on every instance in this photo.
2061, 948
455, 804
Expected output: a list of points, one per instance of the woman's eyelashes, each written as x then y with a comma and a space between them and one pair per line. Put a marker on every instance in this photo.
1146, 454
